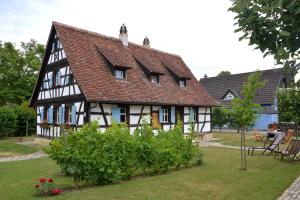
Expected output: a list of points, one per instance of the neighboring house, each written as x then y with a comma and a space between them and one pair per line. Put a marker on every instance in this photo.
87, 76
227, 87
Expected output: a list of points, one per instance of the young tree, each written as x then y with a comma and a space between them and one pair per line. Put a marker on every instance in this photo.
18, 69
244, 110
273, 26
219, 117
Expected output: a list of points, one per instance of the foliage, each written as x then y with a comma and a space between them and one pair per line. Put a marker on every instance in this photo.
289, 105
25, 114
18, 69
94, 157
224, 73
8, 121
46, 187
217, 179
244, 110
273, 26
219, 117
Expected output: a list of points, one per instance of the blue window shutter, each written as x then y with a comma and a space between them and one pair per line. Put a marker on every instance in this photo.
74, 114
42, 114
58, 78
160, 115
62, 115
172, 114
50, 115
115, 114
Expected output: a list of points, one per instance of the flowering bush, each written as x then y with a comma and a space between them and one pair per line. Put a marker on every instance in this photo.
47, 187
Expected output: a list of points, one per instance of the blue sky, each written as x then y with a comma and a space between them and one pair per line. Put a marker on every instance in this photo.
201, 32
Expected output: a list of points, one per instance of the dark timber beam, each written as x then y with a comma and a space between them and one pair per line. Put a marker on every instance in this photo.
104, 116
141, 115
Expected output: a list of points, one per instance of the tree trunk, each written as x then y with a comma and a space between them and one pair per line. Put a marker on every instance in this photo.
243, 150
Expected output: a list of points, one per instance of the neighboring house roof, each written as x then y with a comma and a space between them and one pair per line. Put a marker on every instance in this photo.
92, 56
219, 86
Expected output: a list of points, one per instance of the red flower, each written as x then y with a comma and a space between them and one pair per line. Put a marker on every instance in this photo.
42, 180
37, 186
56, 191
50, 180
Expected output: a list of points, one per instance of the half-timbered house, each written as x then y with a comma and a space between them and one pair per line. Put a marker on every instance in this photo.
87, 76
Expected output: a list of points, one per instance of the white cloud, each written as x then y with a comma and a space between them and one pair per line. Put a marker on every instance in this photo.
200, 31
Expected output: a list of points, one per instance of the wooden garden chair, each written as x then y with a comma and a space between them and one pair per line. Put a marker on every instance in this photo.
288, 136
258, 136
291, 151
269, 146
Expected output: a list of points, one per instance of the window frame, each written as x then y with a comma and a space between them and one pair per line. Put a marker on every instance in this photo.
123, 73
165, 115
68, 114
154, 77
182, 85
123, 112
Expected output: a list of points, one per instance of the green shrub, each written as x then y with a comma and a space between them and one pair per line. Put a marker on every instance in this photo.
95, 157
25, 114
8, 121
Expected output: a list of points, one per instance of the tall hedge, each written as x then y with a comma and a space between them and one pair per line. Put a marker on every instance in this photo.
8, 121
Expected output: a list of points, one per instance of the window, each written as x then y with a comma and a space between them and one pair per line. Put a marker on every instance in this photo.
165, 116
55, 45
195, 114
123, 115
56, 118
182, 83
154, 79
45, 84
69, 114
119, 74
45, 114
71, 79
57, 76
229, 96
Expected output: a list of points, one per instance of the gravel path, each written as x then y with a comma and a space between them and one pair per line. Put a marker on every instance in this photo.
38, 154
292, 192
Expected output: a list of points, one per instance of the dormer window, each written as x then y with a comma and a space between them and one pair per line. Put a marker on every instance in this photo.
182, 83
119, 74
154, 79
229, 97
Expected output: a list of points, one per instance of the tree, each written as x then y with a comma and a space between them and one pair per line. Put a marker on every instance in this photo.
18, 69
244, 110
273, 26
289, 105
26, 120
8, 121
224, 73
219, 117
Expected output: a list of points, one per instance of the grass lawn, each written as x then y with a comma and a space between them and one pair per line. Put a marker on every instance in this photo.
234, 139
9, 147
219, 178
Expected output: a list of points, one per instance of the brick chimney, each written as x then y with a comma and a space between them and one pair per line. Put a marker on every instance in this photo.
146, 42
123, 35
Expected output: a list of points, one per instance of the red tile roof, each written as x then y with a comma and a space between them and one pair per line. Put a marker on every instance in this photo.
91, 57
